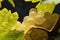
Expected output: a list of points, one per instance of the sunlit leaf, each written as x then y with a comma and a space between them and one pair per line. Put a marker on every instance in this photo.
46, 7
13, 35
33, 1
12, 2
0, 3
50, 1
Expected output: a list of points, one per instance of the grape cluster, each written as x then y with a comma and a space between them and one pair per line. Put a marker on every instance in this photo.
38, 19
35, 18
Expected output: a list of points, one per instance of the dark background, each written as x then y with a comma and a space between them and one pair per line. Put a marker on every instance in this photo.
23, 7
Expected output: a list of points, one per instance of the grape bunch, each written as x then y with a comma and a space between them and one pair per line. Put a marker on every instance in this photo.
34, 18
37, 19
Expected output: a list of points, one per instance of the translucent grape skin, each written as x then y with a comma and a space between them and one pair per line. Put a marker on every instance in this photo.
41, 13
32, 12
27, 22
39, 20
38, 16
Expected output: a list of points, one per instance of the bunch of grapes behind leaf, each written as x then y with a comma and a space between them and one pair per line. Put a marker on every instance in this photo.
44, 19
41, 16
11, 29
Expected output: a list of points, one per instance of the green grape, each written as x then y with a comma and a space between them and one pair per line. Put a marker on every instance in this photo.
26, 27
33, 12
46, 14
39, 20
41, 13
28, 21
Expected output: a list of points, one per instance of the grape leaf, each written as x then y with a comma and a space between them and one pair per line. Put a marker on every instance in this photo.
0, 3
12, 2
46, 7
50, 1
14, 35
33, 1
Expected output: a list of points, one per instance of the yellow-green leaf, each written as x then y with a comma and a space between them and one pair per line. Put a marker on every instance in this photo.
0, 3
33, 1
12, 2
49, 7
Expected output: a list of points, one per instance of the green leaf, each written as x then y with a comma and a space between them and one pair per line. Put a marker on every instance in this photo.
33, 1
50, 1
0, 3
47, 7
12, 2
21, 36
14, 35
